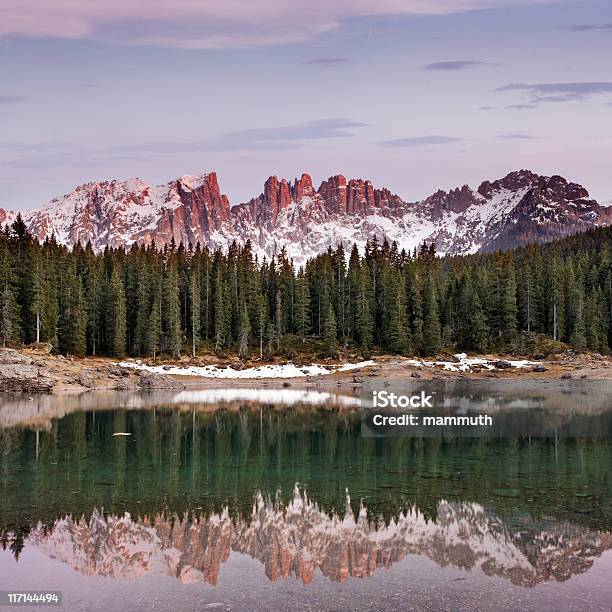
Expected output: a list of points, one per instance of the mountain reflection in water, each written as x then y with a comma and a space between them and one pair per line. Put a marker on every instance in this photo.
194, 484
300, 538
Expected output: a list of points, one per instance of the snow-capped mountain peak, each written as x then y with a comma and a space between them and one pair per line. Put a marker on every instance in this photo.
522, 207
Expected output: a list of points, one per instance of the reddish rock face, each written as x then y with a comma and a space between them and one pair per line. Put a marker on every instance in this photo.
356, 196
335, 195
384, 198
360, 196
192, 208
333, 192
264, 209
276, 196
303, 187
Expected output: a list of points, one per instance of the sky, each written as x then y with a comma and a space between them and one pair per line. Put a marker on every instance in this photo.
415, 95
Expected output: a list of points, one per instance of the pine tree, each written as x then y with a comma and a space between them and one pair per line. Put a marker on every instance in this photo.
50, 309
330, 330
261, 318
143, 310
220, 312
195, 309
117, 313
364, 321
205, 294
10, 312
277, 326
575, 314
472, 328
414, 308
505, 301
38, 292
527, 298
302, 306
431, 321
23, 253
555, 304
73, 313
95, 292
171, 311
154, 328
244, 330
396, 337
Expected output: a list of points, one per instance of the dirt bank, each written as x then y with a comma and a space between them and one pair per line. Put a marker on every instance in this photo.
78, 374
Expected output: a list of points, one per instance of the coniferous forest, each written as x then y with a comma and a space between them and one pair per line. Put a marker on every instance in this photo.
181, 299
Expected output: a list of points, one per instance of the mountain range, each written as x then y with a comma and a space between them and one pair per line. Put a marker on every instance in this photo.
521, 208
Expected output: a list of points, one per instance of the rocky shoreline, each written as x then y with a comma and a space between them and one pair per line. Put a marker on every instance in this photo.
33, 371
21, 372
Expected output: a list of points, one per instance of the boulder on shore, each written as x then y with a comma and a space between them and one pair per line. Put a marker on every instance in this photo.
502, 364
20, 374
155, 380
87, 378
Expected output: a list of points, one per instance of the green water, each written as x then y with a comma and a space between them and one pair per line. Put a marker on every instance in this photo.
525, 512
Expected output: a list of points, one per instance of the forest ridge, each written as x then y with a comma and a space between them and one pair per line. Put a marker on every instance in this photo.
150, 301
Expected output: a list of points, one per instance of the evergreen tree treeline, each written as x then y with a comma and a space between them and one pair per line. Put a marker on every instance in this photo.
148, 300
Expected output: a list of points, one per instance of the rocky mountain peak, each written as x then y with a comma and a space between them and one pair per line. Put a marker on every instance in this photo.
333, 191
302, 187
514, 181
518, 208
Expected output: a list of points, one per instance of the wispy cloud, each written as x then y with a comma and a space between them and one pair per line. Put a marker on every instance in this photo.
579, 88
279, 138
11, 99
589, 27
71, 158
32, 147
421, 141
209, 24
457, 65
521, 106
326, 61
538, 93
515, 136
287, 135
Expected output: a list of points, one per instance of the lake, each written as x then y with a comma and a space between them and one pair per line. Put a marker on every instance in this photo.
274, 499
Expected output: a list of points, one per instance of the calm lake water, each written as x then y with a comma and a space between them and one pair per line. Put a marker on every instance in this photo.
273, 500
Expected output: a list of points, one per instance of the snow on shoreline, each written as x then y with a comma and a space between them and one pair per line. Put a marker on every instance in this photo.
288, 370
463, 363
